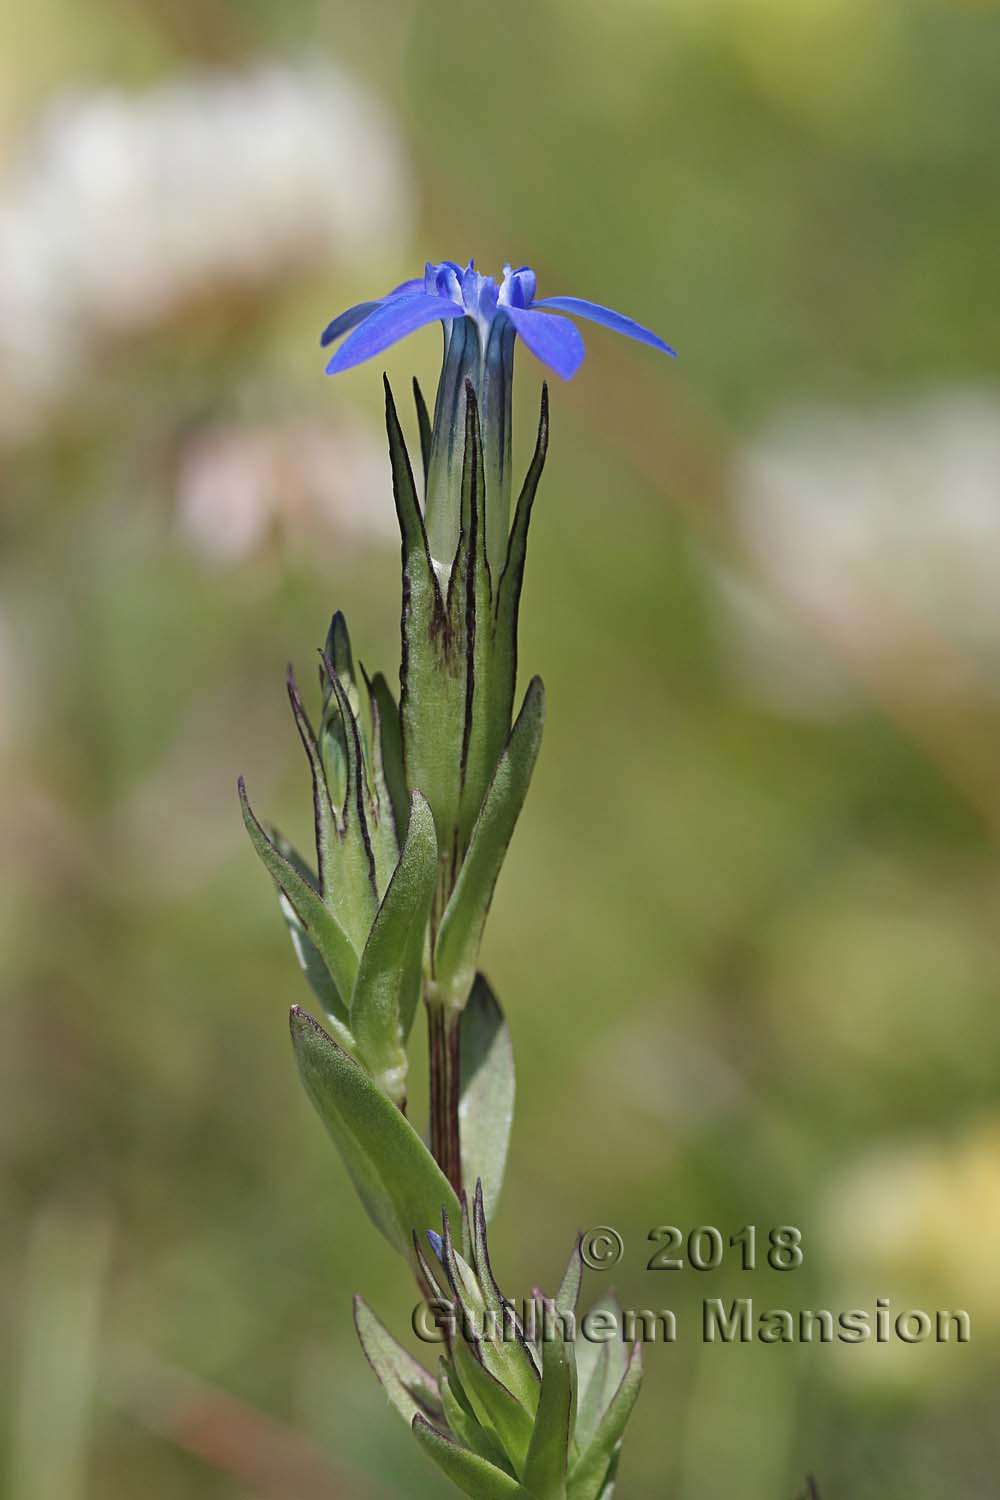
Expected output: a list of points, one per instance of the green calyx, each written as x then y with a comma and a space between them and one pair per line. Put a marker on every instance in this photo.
459, 662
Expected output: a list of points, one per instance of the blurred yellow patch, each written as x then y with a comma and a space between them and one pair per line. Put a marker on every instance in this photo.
926, 1215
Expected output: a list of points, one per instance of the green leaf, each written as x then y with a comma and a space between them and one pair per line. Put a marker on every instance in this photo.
388, 747
316, 973
381, 809
494, 1404
508, 592
492, 1295
306, 952
398, 1180
352, 889
465, 916
388, 983
463, 1424
592, 1471
323, 815
568, 1294
545, 1469
472, 1474
333, 733
410, 1388
609, 1483
486, 1082
600, 1368
325, 932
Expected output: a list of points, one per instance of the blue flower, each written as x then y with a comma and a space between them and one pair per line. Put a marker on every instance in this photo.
446, 292
481, 323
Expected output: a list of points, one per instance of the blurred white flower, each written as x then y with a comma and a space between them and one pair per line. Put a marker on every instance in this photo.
121, 207
238, 485
884, 530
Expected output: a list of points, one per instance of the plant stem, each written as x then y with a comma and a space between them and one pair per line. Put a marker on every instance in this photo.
443, 1048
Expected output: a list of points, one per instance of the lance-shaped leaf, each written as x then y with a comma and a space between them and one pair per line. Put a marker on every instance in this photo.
381, 810
601, 1367
325, 932
594, 1468
466, 1428
388, 983
305, 950
486, 1102
388, 750
318, 976
397, 1179
492, 1295
353, 889
497, 1408
323, 816
465, 916
333, 730
545, 1469
411, 1389
568, 1294
473, 1475
508, 591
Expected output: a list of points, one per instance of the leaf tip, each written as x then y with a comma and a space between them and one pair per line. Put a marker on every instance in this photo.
303, 1027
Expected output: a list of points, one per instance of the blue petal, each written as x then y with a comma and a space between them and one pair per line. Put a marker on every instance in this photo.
405, 288
437, 1244
552, 340
346, 321
391, 321
445, 279
518, 286
598, 314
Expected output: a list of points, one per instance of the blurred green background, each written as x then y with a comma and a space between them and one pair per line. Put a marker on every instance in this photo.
747, 934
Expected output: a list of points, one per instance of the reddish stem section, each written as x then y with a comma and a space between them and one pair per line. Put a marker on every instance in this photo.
443, 1047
